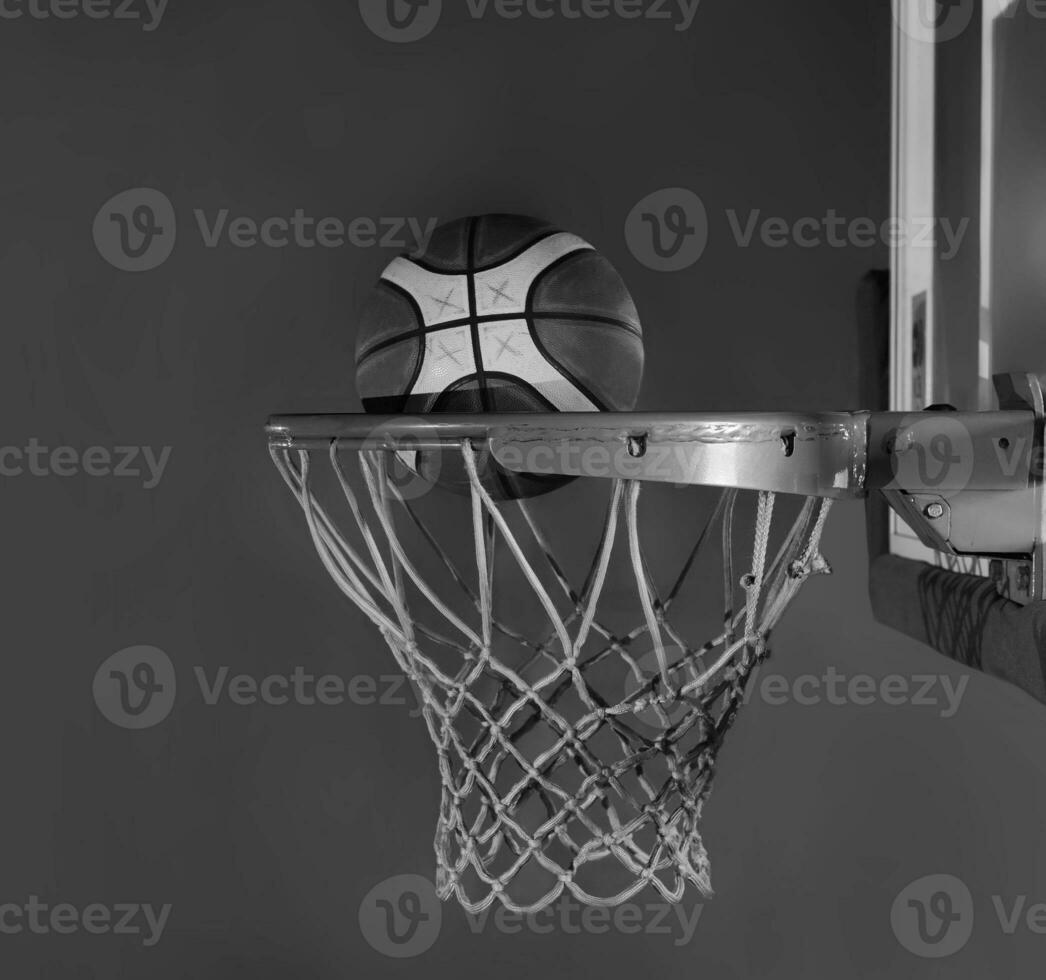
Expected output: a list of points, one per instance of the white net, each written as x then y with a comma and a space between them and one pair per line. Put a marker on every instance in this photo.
574, 754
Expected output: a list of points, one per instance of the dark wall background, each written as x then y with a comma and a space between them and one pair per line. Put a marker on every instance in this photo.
264, 827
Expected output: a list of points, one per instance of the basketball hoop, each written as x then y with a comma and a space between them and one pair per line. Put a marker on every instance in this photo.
565, 765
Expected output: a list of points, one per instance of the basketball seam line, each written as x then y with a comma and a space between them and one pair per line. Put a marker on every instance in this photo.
484, 395
419, 354
512, 256
488, 376
542, 350
598, 320
470, 279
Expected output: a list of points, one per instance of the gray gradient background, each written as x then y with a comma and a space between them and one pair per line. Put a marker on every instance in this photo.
264, 827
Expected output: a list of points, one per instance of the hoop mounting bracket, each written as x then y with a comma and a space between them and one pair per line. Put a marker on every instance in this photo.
971, 484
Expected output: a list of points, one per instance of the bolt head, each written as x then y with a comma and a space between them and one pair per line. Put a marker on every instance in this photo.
934, 511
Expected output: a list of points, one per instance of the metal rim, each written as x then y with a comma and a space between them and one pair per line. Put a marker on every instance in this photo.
361, 430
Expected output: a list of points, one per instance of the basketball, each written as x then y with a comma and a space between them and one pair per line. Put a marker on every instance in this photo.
499, 313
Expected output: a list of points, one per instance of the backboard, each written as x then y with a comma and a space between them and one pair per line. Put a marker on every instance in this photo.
967, 301
967, 287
